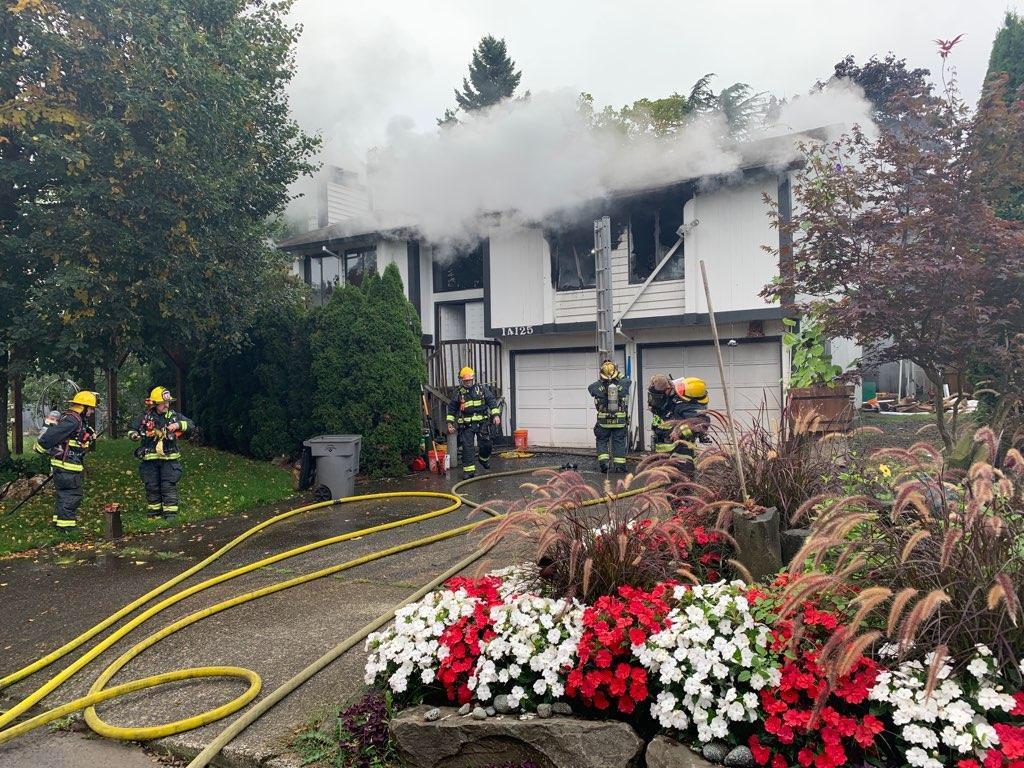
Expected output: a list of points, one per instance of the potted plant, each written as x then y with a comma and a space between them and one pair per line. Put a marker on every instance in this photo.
815, 392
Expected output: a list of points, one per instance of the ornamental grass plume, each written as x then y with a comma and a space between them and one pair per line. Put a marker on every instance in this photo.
784, 463
655, 526
937, 574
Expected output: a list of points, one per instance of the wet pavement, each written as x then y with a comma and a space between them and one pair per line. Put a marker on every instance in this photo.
52, 597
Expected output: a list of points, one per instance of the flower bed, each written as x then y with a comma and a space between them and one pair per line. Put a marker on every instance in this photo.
707, 663
808, 670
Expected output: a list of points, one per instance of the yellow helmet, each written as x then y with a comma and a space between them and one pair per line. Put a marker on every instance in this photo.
160, 395
84, 398
609, 370
467, 373
693, 389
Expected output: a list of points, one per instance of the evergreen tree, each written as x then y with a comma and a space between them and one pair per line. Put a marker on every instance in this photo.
493, 77
1004, 88
1008, 52
368, 369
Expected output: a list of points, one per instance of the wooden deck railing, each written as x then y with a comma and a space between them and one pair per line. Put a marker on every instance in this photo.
445, 359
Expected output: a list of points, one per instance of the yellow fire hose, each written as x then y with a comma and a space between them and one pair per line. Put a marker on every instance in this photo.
98, 693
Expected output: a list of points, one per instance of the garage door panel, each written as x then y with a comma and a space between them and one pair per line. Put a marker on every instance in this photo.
754, 371
551, 398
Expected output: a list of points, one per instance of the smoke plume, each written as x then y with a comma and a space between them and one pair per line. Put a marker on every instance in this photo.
537, 156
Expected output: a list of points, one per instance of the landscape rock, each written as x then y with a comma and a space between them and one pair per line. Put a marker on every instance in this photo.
465, 709
491, 711
479, 713
501, 704
664, 752
740, 757
759, 542
715, 751
544, 710
561, 708
432, 715
792, 540
555, 742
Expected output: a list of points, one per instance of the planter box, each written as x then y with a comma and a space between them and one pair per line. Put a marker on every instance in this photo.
833, 407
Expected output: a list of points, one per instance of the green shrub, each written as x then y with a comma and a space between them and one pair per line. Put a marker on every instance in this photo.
368, 369
257, 401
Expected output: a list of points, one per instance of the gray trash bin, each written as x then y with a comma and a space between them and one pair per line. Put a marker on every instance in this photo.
337, 462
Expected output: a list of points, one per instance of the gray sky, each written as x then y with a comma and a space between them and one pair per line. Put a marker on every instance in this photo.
362, 65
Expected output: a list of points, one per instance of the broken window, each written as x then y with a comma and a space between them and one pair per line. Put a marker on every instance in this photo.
572, 257
459, 270
652, 234
358, 264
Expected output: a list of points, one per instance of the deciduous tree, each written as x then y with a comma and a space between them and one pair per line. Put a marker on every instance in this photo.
897, 239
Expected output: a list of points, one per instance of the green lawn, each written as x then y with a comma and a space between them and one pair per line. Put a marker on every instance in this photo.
214, 484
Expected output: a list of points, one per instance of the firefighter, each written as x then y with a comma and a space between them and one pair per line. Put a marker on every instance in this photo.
66, 442
660, 402
471, 411
611, 397
689, 419
159, 428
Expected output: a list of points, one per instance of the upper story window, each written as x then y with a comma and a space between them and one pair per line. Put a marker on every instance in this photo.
461, 270
572, 257
360, 263
573, 263
652, 233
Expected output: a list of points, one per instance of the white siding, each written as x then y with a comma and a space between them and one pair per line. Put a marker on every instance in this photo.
394, 252
520, 277
345, 202
733, 226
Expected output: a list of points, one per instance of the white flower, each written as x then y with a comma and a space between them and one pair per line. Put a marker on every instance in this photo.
711, 659
978, 668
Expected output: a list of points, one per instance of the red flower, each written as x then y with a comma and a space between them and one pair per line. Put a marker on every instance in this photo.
1019, 709
606, 674
761, 753
1011, 740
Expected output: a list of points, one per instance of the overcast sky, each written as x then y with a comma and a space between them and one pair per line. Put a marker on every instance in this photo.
362, 65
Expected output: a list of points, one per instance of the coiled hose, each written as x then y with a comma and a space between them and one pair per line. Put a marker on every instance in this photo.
99, 693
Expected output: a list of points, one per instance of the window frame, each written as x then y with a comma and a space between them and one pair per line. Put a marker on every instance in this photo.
361, 256
659, 249
567, 236
438, 270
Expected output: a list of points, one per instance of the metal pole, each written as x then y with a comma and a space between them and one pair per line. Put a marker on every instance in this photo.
40, 487
725, 384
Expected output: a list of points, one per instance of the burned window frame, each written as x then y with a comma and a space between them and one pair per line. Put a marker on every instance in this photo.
449, 276
653, 210
574, 230
561, 243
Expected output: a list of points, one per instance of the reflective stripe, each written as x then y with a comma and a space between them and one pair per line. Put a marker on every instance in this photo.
183, 425
602, 457
450, 417
66, 523
158, 457
75, 444
664, 447
469, 468
154, 505
472, 403
618, 460
171, 508
495, 411
57, 463
39, 449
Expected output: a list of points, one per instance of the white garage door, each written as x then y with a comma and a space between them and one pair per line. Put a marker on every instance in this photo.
754, 372
551, 397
